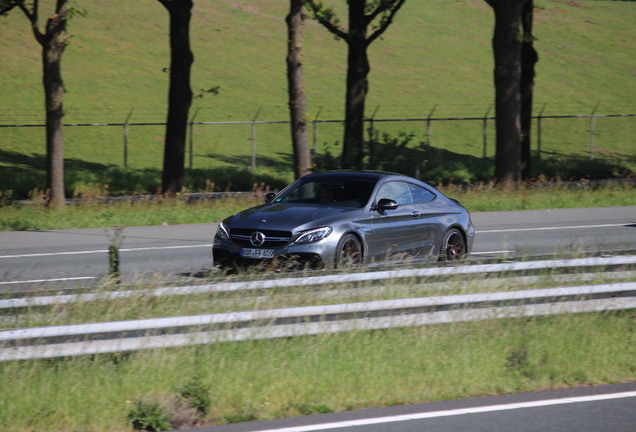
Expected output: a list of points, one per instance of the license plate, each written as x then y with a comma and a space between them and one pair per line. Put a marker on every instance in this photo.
256, 253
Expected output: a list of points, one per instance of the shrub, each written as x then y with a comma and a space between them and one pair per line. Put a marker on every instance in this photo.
149, 417
307, 409
198, 395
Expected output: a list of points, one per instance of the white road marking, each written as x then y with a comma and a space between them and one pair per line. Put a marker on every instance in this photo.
492, 252
550, 228
49, 280
165, 247
448, 413
105, 251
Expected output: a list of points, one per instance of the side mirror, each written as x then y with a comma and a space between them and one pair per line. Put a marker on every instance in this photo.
387, 204
269, 197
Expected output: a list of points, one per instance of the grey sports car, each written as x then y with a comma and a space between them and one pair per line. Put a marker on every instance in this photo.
346, 219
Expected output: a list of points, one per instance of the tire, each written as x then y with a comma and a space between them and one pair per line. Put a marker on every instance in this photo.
453, 246
349, 252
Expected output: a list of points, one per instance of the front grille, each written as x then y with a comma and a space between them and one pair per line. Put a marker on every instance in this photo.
273, 238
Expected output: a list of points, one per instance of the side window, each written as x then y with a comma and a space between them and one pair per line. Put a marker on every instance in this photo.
421, 195
398, 191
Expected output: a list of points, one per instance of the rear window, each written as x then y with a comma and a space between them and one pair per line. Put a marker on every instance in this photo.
420, 194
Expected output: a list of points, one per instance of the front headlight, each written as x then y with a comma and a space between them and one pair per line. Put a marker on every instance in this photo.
313, 235
222, 231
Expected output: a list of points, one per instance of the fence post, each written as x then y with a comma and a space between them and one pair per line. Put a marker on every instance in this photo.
314, 135
592, 129
485, 131
428, 126
253, 139
126, 122
539, 131
191, 145
370, 119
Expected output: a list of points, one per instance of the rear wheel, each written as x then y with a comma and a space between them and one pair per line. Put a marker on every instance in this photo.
453, 246
349, 252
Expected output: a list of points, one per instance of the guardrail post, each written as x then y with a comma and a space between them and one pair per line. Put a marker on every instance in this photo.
126, 123
113, 254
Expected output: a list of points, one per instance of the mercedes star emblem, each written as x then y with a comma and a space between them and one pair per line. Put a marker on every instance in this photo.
257, 239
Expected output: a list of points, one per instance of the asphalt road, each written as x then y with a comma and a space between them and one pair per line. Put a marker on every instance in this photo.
607, 408
184, 251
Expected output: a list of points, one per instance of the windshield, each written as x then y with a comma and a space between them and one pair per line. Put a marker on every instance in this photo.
343, 191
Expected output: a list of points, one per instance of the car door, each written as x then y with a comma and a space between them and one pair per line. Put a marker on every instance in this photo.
431, 226
395, 232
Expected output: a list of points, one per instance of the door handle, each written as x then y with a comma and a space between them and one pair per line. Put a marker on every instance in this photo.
415, 213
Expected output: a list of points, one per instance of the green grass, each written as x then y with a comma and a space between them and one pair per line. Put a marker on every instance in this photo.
436, 54
288, 377
537, 198
164, 212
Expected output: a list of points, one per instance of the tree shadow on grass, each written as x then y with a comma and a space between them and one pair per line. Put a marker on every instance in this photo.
280, 163
24, 173
21, 173
576, 167
399, 154
441, 166
234, 179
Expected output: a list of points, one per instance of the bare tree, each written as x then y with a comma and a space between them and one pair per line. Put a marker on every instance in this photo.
53, 40
179, 95
507, 47
368, 20
295, 86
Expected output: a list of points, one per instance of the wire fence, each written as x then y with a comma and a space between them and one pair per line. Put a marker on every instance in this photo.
581, 132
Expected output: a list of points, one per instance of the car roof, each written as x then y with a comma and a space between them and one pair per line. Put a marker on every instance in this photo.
373, 175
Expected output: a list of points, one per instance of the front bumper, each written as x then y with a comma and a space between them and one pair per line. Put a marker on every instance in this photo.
317, 255
300, 261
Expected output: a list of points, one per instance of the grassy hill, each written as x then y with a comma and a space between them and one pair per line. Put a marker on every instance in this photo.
437, 55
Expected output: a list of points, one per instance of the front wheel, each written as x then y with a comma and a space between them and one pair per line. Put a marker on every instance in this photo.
453, 246
349, 252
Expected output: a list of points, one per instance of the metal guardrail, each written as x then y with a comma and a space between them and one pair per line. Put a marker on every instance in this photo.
323, 280
97, 338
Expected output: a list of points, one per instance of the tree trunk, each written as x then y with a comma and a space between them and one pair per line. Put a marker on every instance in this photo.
529, 58
362, 14
295, 86
507, 73
180, 95
53, 43
357, 87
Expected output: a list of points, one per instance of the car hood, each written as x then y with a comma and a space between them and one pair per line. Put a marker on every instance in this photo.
291, 217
